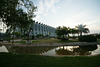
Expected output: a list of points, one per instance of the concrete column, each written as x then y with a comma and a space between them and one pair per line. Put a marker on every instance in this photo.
39, 28
36, 28
45, 29
42, 29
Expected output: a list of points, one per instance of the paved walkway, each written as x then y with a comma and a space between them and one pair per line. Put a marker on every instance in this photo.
52, 44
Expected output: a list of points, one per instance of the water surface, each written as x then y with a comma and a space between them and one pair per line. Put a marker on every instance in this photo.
53, 50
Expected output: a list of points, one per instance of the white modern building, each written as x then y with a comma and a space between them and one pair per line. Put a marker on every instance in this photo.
40, 28
3, 27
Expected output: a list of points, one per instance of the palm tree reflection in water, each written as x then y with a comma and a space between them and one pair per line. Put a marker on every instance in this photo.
75, 50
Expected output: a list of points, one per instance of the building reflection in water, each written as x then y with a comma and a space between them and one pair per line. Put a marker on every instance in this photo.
36, 50
75, 50
53, 50
3, 49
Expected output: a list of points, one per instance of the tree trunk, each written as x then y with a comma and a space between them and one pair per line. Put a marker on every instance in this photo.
24, 34
80, 33
28, 34
13, 35
21, 32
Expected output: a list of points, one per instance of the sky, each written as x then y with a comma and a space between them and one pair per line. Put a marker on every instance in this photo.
69, 13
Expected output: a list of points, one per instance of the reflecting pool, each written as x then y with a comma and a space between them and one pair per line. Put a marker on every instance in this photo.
53, 50
3, 49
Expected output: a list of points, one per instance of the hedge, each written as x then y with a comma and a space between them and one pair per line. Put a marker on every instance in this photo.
88, 38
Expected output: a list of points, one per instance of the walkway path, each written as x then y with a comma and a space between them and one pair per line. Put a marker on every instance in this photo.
52, 44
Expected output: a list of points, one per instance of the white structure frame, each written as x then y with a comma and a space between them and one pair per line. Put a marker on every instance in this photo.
40, 28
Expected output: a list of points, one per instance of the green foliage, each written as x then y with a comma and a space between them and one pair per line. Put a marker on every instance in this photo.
39, 36
17, 34
20, 42
81, 29
73, 37
33, 36
88, 38
13, 13
8, 35
64, 39
74, 31
62, 32
98, 35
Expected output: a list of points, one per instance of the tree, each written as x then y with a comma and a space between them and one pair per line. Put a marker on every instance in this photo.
86, 30
73, 31
62, 32
14, 15
58, 31
81, 28
9, 11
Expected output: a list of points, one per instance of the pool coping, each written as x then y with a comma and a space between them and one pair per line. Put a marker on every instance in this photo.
51, 44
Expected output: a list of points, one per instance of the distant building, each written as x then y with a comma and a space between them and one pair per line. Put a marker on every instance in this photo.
3, 27
40, 28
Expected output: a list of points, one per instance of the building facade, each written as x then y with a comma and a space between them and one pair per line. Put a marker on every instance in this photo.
40, 28
3, 27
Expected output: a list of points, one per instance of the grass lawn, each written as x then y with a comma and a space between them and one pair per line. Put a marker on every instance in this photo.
12, 60
52, 40
98, 40
48, 41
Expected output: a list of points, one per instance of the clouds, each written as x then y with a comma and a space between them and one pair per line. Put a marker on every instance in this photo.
85, 17
45, 7
78, 18
94, 25
69, 13
74, 19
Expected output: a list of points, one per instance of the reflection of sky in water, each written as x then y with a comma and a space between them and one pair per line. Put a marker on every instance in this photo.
3, 49
51, 51
70, 48
97, 51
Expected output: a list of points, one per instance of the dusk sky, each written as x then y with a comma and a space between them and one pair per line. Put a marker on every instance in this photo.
69, 13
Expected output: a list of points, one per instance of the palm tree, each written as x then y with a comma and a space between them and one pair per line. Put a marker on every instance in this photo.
73, 31
86, 30
81, 28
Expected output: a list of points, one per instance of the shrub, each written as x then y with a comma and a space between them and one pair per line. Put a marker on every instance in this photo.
88, 38
17, 34
39, 36
33, 36
98, 35
64, 39
58, 37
